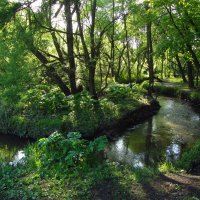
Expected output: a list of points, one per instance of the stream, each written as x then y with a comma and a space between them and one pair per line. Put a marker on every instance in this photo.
163, 137
12, 148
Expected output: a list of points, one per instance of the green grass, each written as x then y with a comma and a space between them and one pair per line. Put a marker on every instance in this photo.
22, 183
195, 95
167, 167
174, 80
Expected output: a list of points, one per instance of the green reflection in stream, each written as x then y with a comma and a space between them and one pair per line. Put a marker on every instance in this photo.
163, 137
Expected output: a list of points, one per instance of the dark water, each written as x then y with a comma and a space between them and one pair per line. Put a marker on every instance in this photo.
11, 148
163, 137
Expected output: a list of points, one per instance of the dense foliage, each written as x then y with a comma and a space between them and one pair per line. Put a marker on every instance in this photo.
190, 159
38, 113
76, 66
50, 50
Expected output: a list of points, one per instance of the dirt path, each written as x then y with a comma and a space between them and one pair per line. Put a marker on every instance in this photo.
173, 186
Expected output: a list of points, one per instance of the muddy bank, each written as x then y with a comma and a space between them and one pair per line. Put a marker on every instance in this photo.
115, 129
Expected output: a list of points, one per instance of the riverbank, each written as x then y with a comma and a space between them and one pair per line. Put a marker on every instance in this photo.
178, 90
80, 113
129, 118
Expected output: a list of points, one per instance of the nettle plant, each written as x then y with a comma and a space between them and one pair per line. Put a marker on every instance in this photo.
58, 154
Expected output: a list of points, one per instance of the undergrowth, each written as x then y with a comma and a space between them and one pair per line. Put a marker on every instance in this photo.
39, 113
66, 167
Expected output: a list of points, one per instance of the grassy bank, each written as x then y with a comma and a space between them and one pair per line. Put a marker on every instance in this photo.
179, 90
39, 115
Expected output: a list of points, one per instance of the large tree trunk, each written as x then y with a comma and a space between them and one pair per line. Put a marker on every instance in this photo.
150, 54
90, 59
162, 67
181, 69
127, 51
194, 57
70, 47
92, 64
51, 72
112, 51
190, 74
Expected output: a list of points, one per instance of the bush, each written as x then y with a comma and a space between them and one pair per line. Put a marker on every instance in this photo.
166, 90
57, 154
120, 91
195, 96
167, 167
145, 85
190, 159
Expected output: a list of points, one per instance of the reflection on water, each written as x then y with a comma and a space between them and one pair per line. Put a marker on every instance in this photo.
11, 149
162, 137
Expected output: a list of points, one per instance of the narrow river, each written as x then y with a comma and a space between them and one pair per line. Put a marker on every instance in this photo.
162, 137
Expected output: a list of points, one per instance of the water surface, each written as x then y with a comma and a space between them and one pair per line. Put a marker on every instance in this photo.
11, 148
162, 137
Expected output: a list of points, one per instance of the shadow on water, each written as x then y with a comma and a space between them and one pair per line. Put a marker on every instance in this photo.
162, 137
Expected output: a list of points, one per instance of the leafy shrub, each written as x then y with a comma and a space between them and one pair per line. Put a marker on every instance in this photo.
43, 100
57, 154
145, 174
119, 91
167, 167
195, 96
6, 111
86, 115
166, 90
42, 111
145, 85
190, 159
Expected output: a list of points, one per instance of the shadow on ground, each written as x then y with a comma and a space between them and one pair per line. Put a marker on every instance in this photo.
166, 187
